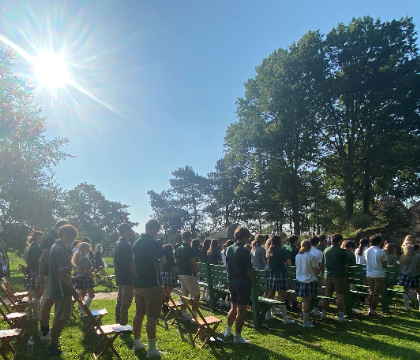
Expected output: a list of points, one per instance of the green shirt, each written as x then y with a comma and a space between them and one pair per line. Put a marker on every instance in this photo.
293, 250
335, 259
34, 253
321, 247
238, 263
184, 255
277, 262
146, 252
352, 258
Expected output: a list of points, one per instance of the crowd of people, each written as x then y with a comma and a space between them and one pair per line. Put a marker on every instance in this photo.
60, 268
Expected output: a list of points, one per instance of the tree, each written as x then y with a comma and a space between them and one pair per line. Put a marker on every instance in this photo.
29, 196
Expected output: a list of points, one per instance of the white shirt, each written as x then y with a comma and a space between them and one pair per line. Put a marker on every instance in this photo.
317, 253
360, 259
374, 259
304, 264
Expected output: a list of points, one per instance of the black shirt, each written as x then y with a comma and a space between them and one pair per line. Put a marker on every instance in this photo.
146, 252
123, 256
238, 263
170, 263
47, 242
185, 254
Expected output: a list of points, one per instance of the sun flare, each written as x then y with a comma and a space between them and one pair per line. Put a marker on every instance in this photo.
51, 70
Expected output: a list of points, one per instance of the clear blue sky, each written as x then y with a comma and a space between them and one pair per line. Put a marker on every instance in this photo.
164, 76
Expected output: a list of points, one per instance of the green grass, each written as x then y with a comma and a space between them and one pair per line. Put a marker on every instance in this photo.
391, 337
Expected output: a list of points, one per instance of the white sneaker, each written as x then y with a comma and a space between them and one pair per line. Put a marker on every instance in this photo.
227, 334
309, 325
46, 337
155, 353
138, 346
316, 312
288, 321
240, 340
343, 319
269, 317
275, 311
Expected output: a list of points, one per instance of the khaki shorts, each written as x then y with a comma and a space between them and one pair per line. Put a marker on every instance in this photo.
148, 301
337, 284
189, 285
376, 285
62, 308
46, 287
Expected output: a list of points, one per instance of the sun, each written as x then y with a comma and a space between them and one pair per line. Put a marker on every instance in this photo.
51, 70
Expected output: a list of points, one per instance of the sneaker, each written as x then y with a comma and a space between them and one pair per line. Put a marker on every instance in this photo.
221, 303
309, 325
240, 340
46, 337
52, 350
227, 334
227, 304
407, 309
316, 312
138, 346
374, 314
355, 311
343, 319
275, 311
155, 353
288, 321
269, 317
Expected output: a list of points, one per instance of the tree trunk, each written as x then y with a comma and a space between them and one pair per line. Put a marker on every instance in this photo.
227, 215
366, 189
349, 204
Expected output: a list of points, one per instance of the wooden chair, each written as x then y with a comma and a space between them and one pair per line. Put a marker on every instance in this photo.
13, 319
107, 278
105, 332
18, 295
14, 302
6, 336
207, 325
98, 314
175, 307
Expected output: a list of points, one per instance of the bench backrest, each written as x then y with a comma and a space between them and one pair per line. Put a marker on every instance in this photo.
218, 274
260, 280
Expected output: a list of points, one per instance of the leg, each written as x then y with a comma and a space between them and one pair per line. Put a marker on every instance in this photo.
37, 296
240, 318
139, 316
57, 327
340, 302
232, 314
91, 296
45, 314
118, 305
306, 308
126, 299
151, 327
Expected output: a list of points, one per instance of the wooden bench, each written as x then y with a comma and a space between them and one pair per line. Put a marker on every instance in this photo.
6, 336
392, 277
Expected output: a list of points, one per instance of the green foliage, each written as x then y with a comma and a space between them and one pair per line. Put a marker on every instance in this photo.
392, 212
361, 220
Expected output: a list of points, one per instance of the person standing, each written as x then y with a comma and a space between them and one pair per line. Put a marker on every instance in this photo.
336, 263
239, 270
322, 242
60, 284
410, 274
320, 256
188, 272
32, 260
258, 254
376, 262
125, 272
43, 279
148, 255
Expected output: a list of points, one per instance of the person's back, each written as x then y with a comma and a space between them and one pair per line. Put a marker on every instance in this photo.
184, 255
257, 257
123, 256
238, 261
412, 267
304, 267
374, 262
277, 262
146, 252
335, 260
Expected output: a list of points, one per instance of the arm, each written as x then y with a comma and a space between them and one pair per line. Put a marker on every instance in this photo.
249, 273
321, 266
346, 267
194, 264
42, 264
315, 270
385, 264
288, 262
132, 268
67, 281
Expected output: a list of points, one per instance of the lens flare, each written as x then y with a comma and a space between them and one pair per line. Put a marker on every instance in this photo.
51, 70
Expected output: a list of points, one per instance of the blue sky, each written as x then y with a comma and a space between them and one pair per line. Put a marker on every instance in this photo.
160, 78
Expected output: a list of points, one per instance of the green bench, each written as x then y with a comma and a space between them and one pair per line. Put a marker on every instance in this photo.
214, 277
392, 277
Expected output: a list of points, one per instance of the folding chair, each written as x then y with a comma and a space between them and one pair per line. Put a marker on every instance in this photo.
14, 302
204, 323
107, 278
13, 319
98, 314
18, 295
22, 268
105, 331
5, 337
175, 307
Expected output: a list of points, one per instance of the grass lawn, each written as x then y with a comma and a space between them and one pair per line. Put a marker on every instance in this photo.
391, 337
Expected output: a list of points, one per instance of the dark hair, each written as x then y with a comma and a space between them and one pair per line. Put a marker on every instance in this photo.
31, 238
186, 235
206, 247
336, 238
390, 248
258, 240
68, 231
214, 247
60, 223
375, 240
229, 243
292, 239
275, 241
416, 247
305, 246
195, 244
348, 244
241, 232
168, 251
76, 243
86, 239
322, 237
123, 227
364, 242
314, 240
152, 224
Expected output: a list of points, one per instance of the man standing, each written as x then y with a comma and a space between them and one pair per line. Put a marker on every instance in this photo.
188, 271
322, 242
336, 263
124, 274
376, 262
148, 253
43, 279
292, 248
320, 256
239, 269
60, 284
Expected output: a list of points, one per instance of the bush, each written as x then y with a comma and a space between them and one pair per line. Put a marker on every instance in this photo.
391, 211
361, 221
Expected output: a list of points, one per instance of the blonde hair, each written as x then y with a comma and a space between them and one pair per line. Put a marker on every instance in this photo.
408, 240
76, 256
408, 253
98, 248
259, 240
305, 246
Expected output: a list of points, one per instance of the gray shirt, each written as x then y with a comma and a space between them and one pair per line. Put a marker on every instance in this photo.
82, 264
411, 268
58, 260
257, 258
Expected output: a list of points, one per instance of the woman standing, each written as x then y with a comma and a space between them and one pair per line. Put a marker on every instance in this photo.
214, 256
33, 256
168, 274
306, 279
410, 274
258, 253
363, 246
